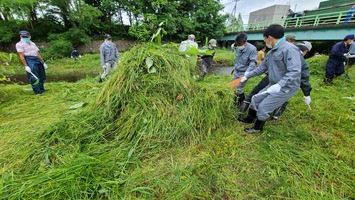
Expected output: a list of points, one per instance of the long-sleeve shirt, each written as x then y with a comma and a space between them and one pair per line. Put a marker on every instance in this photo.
283, 63
245, 59
108, 53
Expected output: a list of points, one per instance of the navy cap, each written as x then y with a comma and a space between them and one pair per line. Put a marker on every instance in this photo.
108, 36
351, 36
25, 34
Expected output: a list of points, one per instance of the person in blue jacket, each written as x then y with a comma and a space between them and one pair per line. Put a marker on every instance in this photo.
337, 58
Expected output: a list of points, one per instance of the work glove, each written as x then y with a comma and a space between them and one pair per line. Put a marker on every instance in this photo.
307, 100
45, 65
243, 79
346, 54
274, 88
245, 74
28, 69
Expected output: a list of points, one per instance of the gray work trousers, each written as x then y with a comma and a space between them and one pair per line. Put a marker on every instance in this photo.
266, 103
108, 66
240, 87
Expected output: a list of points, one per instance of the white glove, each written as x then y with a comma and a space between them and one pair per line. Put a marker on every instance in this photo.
307, 100
28, 69
346, 54
45, 66
104, 66
245, 74
274, 88
79, 56
243, 79
71, 56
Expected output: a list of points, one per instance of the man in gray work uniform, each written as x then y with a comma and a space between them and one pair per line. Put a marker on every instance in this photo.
283, 62
246, 58
109, 56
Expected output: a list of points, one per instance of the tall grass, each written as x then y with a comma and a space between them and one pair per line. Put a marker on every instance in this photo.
133, 139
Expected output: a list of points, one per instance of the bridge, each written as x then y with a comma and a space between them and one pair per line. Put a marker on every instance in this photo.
320, 27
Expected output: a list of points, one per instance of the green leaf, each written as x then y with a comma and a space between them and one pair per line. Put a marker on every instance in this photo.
152, 70
149, 62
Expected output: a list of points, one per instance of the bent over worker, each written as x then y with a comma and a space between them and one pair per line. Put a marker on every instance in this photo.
335, 63
283, 62
32, 61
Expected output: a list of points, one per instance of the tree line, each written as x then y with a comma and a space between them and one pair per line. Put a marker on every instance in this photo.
69, 23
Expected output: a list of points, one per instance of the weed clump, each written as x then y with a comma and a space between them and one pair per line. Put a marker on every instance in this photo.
153, 94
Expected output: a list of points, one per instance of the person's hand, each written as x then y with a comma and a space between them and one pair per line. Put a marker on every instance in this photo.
243, 79
274, 88
245, 74
104, 66
307, 100
346, 54
71, 56
28, 69
45, 65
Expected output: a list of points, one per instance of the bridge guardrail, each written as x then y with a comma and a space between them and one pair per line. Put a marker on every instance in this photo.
303, 21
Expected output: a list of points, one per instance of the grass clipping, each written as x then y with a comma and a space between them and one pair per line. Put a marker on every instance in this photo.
152, 94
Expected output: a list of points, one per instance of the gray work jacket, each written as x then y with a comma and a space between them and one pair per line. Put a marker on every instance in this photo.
108, 53
245, 59
284, 65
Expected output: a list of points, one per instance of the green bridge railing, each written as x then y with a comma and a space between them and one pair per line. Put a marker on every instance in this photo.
303, 21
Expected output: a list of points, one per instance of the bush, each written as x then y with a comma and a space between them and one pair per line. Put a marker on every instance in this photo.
57, 49
317, 64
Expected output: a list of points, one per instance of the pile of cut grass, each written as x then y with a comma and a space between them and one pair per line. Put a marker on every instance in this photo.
150, 103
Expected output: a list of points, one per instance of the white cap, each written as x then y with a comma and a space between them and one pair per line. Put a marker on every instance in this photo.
191, 37
307, 44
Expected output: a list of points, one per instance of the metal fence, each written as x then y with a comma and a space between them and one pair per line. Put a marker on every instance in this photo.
333, 18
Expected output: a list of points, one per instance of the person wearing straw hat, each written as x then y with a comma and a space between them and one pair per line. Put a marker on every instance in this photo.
337, 58
32, 61
109, 56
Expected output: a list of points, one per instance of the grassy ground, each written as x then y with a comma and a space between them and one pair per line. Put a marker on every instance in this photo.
54, 147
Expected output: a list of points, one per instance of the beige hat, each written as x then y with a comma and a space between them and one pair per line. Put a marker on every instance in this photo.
191, 37
290, 37
213, 42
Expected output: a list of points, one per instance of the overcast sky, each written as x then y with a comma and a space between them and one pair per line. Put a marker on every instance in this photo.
246, 6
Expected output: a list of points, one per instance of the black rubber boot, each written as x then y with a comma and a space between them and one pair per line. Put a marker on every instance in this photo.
278, 112
250, 118
327, 81
201, 76
238, 99
258, 127
244, 107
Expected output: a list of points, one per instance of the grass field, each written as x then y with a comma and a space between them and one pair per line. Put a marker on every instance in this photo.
74, 143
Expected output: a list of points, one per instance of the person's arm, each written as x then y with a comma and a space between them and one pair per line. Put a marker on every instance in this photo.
305, 74
253, 57
102, 56
40, 57
337, 51
22, 58
117, 54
